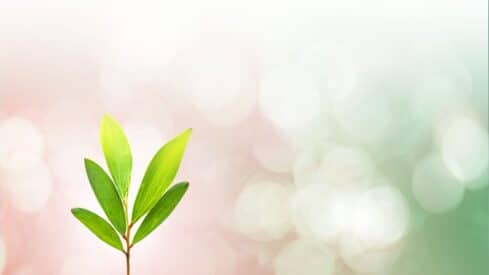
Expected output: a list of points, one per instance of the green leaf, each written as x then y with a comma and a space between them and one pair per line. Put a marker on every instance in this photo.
117, 154
161, 210
160, 173
98, 226
107, 195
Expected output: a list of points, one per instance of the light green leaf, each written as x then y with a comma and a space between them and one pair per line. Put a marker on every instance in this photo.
98, 226
117, 153
160, 173
161, 210
107, 195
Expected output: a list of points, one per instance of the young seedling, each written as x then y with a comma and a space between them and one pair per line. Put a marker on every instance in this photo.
155, 200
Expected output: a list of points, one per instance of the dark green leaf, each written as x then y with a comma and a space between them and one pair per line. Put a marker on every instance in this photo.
98, 226
117, 154
161, 210
159, 174
107, 195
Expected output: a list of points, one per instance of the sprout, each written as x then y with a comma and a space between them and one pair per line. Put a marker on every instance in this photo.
155, 199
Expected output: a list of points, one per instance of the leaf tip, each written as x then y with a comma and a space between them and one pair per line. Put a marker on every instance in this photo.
185, 184
185, 135
107, 117
89, 164
87, 161
108, 121
74, 210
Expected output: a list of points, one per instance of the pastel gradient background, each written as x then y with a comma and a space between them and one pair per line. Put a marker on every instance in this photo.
330, 137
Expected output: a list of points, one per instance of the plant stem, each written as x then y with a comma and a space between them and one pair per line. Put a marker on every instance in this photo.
128, 262
127, 237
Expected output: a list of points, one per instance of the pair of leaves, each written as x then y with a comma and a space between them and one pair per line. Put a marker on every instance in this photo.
112, 195
104, 231
159, 174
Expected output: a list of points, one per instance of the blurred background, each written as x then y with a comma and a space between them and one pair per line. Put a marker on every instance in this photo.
330, 137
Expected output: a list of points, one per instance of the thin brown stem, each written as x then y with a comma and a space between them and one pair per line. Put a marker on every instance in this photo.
127, 238
128, 263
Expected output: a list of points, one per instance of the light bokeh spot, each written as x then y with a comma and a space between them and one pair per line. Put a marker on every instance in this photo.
381, 217
29, 187
464, 148
322, 213
434, 187
261, 210
301, 257
20, 140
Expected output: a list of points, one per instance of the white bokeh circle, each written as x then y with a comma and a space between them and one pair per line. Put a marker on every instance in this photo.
20, 140
29, 191
322, 213
434, 187
261, 210
381, 217
301, 257
464, 147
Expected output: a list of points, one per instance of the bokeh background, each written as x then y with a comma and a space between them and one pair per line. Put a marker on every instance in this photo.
330, 137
